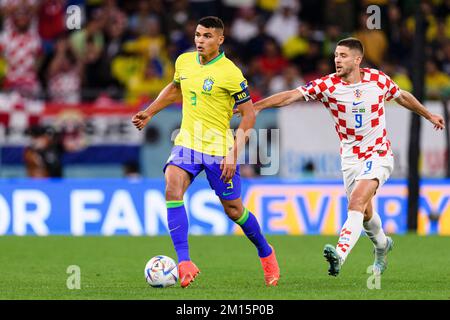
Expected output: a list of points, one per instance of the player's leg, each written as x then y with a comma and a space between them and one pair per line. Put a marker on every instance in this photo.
236, 211
360, 197
179, 171
373, 228
229, 194
177, 182
382, 243
382, 169
359, 200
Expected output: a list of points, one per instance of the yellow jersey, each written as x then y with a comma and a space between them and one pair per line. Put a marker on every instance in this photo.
210, 92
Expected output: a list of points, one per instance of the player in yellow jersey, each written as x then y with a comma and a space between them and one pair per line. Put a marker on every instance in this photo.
210, 85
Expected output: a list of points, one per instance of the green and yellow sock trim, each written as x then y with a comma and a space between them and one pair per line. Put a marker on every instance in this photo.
244, 217
174, 204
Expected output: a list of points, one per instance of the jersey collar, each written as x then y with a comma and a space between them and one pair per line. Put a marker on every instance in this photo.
220, 56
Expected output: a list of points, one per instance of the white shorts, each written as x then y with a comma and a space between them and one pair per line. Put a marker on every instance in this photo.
379, 168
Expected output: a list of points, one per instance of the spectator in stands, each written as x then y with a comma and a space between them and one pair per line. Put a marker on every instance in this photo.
430, 18
146, 83
398, 74
271, 62
437, 83
399, 37
308, 62
257, 82
341, 13
163, 30
229, 9
438, 44
115, 38
178, 18
9, 7
151, 43
283, 24
21, 48
245, 26
232, 47
182, 39
89, 40
51, 22
88, 44
333, 33
111, 11
255, 46
374, 41
266, 8
139, 21
64, 74
298, 45
290, 78
324, 66
148, 68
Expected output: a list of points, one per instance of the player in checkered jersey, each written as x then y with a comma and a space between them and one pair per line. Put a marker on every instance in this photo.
355, 98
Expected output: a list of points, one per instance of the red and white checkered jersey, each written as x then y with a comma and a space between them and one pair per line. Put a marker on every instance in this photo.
357, 110
21, 51
64, 87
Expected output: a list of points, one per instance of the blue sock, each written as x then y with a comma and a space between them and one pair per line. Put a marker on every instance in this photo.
251, 228
178, 228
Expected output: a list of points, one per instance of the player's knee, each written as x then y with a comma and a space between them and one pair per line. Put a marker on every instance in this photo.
233, 212
356, 203
173, 192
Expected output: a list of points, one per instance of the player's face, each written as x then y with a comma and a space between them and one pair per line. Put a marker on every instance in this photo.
346, 60
208, 40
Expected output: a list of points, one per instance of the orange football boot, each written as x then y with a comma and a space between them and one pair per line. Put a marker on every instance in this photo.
187, 272
271, 269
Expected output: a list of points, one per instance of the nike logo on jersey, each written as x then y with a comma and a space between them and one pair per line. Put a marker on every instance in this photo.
357, 103
183, 78
227, 193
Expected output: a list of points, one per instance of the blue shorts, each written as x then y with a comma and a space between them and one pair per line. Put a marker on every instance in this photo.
194, 162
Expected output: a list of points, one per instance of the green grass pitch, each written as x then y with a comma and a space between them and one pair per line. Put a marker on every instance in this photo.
112, 268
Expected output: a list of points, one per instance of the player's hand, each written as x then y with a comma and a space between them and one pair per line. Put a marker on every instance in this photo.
438, 121
140, 119
228, 167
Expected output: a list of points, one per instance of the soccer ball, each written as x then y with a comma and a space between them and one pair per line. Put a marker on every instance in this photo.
161, 272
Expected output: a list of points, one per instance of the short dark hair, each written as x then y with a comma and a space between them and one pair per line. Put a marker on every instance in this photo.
211, 22
352, 43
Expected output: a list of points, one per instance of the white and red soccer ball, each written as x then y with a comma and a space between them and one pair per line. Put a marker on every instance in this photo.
161, 272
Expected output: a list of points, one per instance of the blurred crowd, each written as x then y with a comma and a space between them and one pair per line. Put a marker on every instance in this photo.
125, 50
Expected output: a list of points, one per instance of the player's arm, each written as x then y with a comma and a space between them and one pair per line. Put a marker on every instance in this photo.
170, 94
248, 117
410, 102
278, 100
